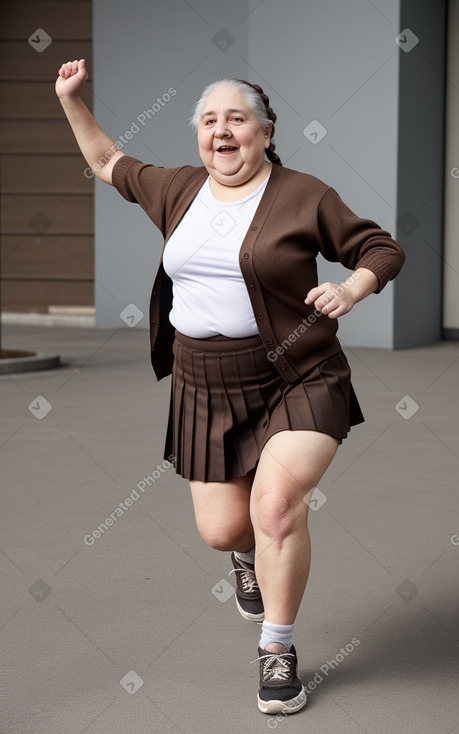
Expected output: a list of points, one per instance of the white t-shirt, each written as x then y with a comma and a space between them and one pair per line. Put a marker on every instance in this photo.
202, 259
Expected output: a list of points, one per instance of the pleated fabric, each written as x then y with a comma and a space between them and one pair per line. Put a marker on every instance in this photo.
227, 400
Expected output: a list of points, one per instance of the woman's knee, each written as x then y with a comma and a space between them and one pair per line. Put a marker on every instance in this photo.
222, 513
226, 536
278, 513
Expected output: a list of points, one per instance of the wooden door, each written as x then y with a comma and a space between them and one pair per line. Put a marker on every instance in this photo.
47, 218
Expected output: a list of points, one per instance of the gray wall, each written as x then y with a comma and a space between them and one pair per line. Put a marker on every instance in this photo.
335, 62
451, 255
420, 181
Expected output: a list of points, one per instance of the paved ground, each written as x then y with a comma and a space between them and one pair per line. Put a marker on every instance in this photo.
79, 613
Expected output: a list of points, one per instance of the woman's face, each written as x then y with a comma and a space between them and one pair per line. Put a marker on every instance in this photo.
231, 141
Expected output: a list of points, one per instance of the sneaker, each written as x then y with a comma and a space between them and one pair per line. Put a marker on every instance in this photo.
281, 691
248, 595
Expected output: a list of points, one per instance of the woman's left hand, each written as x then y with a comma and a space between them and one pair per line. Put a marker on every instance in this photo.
336, 299
332, 299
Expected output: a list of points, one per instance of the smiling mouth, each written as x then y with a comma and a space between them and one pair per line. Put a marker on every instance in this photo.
226, 149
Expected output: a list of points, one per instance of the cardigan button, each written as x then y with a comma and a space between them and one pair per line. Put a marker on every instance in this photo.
246, 255
252, 287
261, 316
153, 321
254, 229
283, 366
269, 342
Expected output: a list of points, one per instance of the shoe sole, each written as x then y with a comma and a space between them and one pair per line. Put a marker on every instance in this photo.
248, 615
283, 707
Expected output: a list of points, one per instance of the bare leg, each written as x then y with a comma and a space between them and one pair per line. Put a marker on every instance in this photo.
291, 464
222, 511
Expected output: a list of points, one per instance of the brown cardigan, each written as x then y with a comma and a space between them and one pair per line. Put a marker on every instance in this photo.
298, 217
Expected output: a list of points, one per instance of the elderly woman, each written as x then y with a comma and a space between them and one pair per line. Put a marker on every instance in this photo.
261, 390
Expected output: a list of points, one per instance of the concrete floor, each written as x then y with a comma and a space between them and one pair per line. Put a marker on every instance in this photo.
126, 636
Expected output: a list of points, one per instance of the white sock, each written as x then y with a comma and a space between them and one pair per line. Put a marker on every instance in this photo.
248, 557
282, 633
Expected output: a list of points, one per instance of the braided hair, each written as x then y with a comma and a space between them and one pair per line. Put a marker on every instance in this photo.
272, 117
257, 100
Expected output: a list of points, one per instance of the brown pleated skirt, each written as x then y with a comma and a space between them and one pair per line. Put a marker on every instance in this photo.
228, 399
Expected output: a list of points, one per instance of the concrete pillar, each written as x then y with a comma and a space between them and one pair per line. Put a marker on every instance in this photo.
451, 251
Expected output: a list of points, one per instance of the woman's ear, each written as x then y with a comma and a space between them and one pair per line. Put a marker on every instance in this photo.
268, 134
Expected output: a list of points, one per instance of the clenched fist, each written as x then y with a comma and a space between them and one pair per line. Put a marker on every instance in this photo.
72, 76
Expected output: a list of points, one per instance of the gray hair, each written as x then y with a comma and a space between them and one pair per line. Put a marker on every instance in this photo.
257, 100
252, 98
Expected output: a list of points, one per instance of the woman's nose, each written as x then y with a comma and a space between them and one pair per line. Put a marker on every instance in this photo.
221, 130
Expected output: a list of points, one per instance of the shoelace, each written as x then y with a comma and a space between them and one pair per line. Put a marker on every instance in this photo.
248, 579
275, 665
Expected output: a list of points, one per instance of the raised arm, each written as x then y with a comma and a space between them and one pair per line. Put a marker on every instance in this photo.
100, 151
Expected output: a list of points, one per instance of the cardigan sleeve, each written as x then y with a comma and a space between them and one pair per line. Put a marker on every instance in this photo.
144, 184
356, 242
